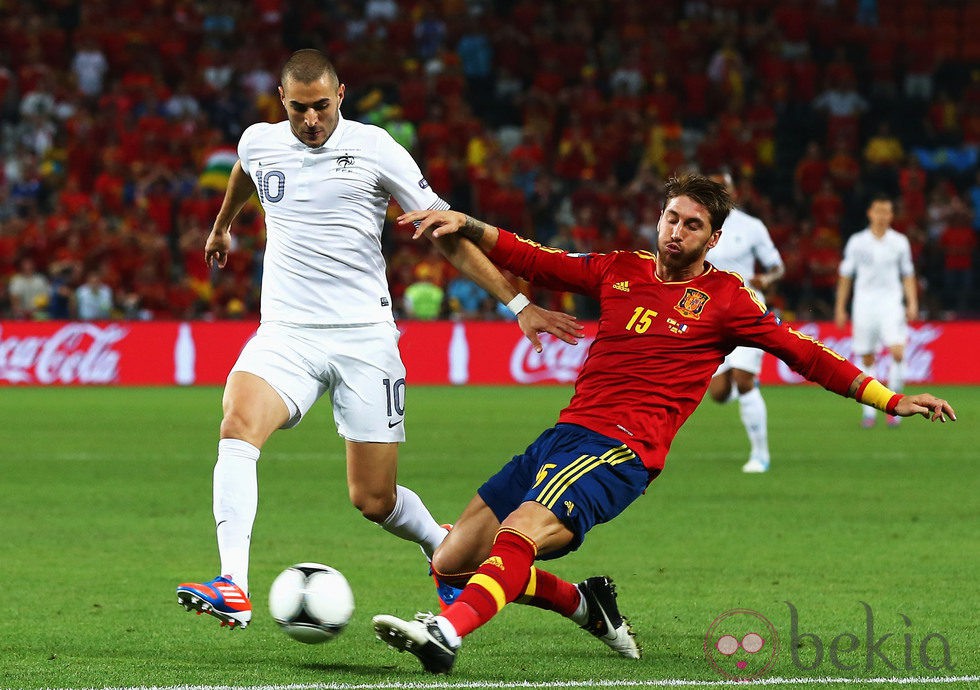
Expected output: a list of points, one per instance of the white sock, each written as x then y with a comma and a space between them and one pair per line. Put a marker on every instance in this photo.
236, 498
412, 521
896, 375
449, 632
752, 409
581, 615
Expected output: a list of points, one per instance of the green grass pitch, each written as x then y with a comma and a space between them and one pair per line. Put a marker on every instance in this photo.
106, 507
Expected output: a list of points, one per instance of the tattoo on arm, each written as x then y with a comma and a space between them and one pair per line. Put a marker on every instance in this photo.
473, 229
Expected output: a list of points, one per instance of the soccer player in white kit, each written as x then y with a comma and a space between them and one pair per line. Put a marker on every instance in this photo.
878, 266
745, 243
326, 320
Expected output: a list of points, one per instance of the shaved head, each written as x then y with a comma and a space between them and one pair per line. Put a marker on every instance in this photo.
307, 66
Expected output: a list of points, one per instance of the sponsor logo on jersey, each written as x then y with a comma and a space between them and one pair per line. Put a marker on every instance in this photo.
569, 506
623, 286
692, 303
384, 302
423, 183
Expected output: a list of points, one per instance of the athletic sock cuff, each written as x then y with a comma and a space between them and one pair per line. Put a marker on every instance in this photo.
237, 448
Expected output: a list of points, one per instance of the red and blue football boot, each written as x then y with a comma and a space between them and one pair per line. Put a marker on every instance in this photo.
220, 598
446, 592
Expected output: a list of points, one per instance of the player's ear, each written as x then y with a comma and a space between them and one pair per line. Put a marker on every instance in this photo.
713, 240
341, 90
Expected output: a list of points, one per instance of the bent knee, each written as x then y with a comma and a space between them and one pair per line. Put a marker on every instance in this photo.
450, 569
375, 507
719, 396
235, 425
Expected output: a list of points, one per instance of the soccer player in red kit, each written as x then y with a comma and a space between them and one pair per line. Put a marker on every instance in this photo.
666, 323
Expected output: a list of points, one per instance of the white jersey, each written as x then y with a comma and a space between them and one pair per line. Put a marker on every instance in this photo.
877, 266
324, 212
744, 240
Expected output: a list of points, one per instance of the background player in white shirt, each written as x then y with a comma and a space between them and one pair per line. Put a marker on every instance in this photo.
878, 265
744, 244
327, 326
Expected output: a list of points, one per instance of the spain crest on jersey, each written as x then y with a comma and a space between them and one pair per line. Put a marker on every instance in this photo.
692, 303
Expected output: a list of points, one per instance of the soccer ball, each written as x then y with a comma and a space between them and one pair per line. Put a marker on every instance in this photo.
311, 602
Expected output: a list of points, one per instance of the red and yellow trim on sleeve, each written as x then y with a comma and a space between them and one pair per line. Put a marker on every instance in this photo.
872, 392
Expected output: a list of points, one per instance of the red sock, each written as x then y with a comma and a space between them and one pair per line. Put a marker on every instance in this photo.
547, 591
499, 579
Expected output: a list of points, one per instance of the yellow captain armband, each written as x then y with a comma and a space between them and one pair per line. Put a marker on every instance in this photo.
872, 392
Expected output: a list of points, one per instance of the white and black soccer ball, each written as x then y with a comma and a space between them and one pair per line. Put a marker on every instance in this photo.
311, 602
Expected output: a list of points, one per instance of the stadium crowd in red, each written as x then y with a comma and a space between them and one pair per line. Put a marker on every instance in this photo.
557, 120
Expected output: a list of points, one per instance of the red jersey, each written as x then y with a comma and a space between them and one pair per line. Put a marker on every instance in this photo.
659, 343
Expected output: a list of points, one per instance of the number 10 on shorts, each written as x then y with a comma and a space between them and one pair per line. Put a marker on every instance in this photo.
395, 396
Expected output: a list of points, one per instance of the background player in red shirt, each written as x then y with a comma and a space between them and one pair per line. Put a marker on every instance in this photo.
666, 323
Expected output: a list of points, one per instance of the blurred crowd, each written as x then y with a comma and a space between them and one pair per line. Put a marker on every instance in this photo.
558, 120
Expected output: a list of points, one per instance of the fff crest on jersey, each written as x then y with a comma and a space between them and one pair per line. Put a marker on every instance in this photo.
345, 161
692, 303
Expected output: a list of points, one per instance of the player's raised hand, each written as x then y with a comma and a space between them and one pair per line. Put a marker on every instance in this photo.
927, 405
534, 320
440, 222
217, 247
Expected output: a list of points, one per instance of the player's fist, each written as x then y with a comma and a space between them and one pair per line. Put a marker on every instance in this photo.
217, 247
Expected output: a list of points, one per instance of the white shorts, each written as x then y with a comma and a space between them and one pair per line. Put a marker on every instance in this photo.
359, 365
745, 358
876, 326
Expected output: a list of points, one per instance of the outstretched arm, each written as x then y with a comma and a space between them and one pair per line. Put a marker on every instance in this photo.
867, 390
818, 363
470, 259
443, 223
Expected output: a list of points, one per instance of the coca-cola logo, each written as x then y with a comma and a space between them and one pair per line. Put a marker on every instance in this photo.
75, 353
558, 361
918, 355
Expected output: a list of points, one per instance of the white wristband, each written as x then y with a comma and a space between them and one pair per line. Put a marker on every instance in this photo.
518, 303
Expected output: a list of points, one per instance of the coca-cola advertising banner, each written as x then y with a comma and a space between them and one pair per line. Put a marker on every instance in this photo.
164, 353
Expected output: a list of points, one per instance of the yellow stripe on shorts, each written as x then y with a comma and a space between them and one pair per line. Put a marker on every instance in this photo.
559, 479
576, 470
